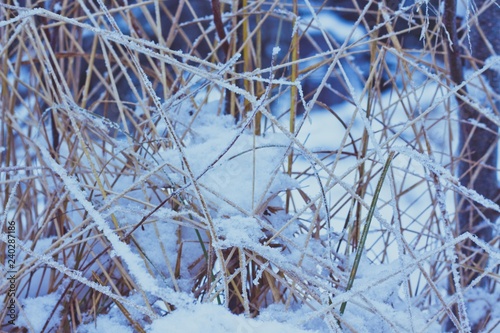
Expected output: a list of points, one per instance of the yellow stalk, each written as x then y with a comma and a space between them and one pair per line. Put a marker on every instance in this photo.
293, 94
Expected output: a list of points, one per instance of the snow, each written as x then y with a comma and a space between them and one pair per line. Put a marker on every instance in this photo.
229, 184
494, 63
210, 318
336, 26
114, 321
479, 302
37, 311
58, 7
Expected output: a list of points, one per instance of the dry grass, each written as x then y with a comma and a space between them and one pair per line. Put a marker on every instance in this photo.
93, 96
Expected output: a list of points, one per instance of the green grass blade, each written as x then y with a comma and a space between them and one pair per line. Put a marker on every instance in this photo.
364, 235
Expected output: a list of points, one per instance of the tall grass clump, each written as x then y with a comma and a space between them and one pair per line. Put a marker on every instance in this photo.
266, 156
